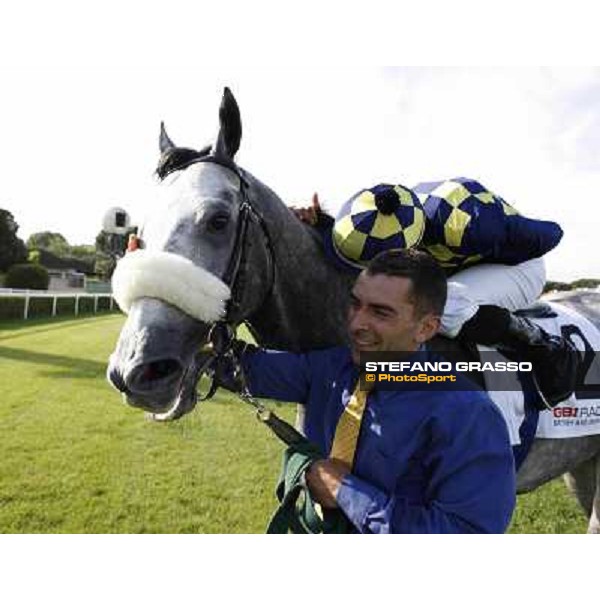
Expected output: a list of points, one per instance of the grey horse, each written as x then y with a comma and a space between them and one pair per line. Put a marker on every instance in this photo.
224, 225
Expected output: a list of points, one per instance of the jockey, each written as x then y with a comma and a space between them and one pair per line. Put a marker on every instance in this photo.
492, 255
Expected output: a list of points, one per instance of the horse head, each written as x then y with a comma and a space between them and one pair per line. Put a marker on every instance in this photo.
190, 270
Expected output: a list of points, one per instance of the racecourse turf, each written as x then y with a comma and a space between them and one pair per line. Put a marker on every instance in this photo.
74, 459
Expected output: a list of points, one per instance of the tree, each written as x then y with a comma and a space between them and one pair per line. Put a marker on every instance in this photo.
12, 248
83, 252
108, 247
50, 241
27, 277
586, 283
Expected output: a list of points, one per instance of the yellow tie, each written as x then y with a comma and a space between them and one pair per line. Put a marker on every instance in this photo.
348, 428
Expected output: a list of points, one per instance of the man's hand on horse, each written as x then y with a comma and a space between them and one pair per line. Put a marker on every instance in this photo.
309, 215
324, 478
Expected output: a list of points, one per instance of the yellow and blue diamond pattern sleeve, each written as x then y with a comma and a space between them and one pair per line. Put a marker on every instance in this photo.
467, 223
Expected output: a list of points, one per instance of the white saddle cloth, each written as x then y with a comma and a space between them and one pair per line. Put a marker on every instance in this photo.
574, 417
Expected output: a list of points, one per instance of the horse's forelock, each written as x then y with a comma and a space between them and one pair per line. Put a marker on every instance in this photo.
176, 159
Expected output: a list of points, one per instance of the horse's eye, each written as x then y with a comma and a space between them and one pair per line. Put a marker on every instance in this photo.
218, 222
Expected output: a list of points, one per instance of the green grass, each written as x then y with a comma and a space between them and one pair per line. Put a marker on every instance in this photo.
549, 509
75, 459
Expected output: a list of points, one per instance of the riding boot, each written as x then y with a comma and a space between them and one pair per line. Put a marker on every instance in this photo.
555, 360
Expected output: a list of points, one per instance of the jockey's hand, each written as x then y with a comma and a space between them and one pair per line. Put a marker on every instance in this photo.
324, 478
309, 215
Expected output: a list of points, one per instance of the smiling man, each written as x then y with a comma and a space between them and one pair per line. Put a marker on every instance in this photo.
402, 461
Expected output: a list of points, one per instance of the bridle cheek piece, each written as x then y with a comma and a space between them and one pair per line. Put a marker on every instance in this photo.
235, 271
222, 334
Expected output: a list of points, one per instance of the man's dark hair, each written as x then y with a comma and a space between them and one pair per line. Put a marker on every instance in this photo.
429, 287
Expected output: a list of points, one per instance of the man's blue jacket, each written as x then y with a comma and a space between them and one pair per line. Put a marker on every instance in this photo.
435, 461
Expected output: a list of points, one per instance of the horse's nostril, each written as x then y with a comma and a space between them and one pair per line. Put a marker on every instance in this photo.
157, 370
152, 375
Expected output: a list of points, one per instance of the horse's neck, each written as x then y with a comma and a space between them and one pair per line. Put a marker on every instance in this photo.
307, 306
302, 317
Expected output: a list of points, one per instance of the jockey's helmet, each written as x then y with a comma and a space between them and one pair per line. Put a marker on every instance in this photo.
377, 219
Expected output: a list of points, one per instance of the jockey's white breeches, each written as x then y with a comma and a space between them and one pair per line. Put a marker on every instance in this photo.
509, 286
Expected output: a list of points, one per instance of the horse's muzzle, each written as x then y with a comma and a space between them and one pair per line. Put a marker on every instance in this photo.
152, 385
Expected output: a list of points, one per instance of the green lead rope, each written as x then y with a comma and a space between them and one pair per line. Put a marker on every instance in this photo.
297, 513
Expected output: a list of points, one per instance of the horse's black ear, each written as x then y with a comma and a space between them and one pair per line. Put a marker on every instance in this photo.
165, 142
230, 131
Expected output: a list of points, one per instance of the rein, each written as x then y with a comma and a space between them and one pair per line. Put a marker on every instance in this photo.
222, 338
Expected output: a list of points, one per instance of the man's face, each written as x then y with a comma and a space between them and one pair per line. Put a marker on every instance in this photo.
382, 316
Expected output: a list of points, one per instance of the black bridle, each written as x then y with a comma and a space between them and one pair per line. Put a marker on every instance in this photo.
235, 272
223, 333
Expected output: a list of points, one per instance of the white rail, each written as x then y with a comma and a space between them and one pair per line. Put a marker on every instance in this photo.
21, 292
55, 295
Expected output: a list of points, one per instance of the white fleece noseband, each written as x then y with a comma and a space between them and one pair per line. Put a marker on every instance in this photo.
173, 279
